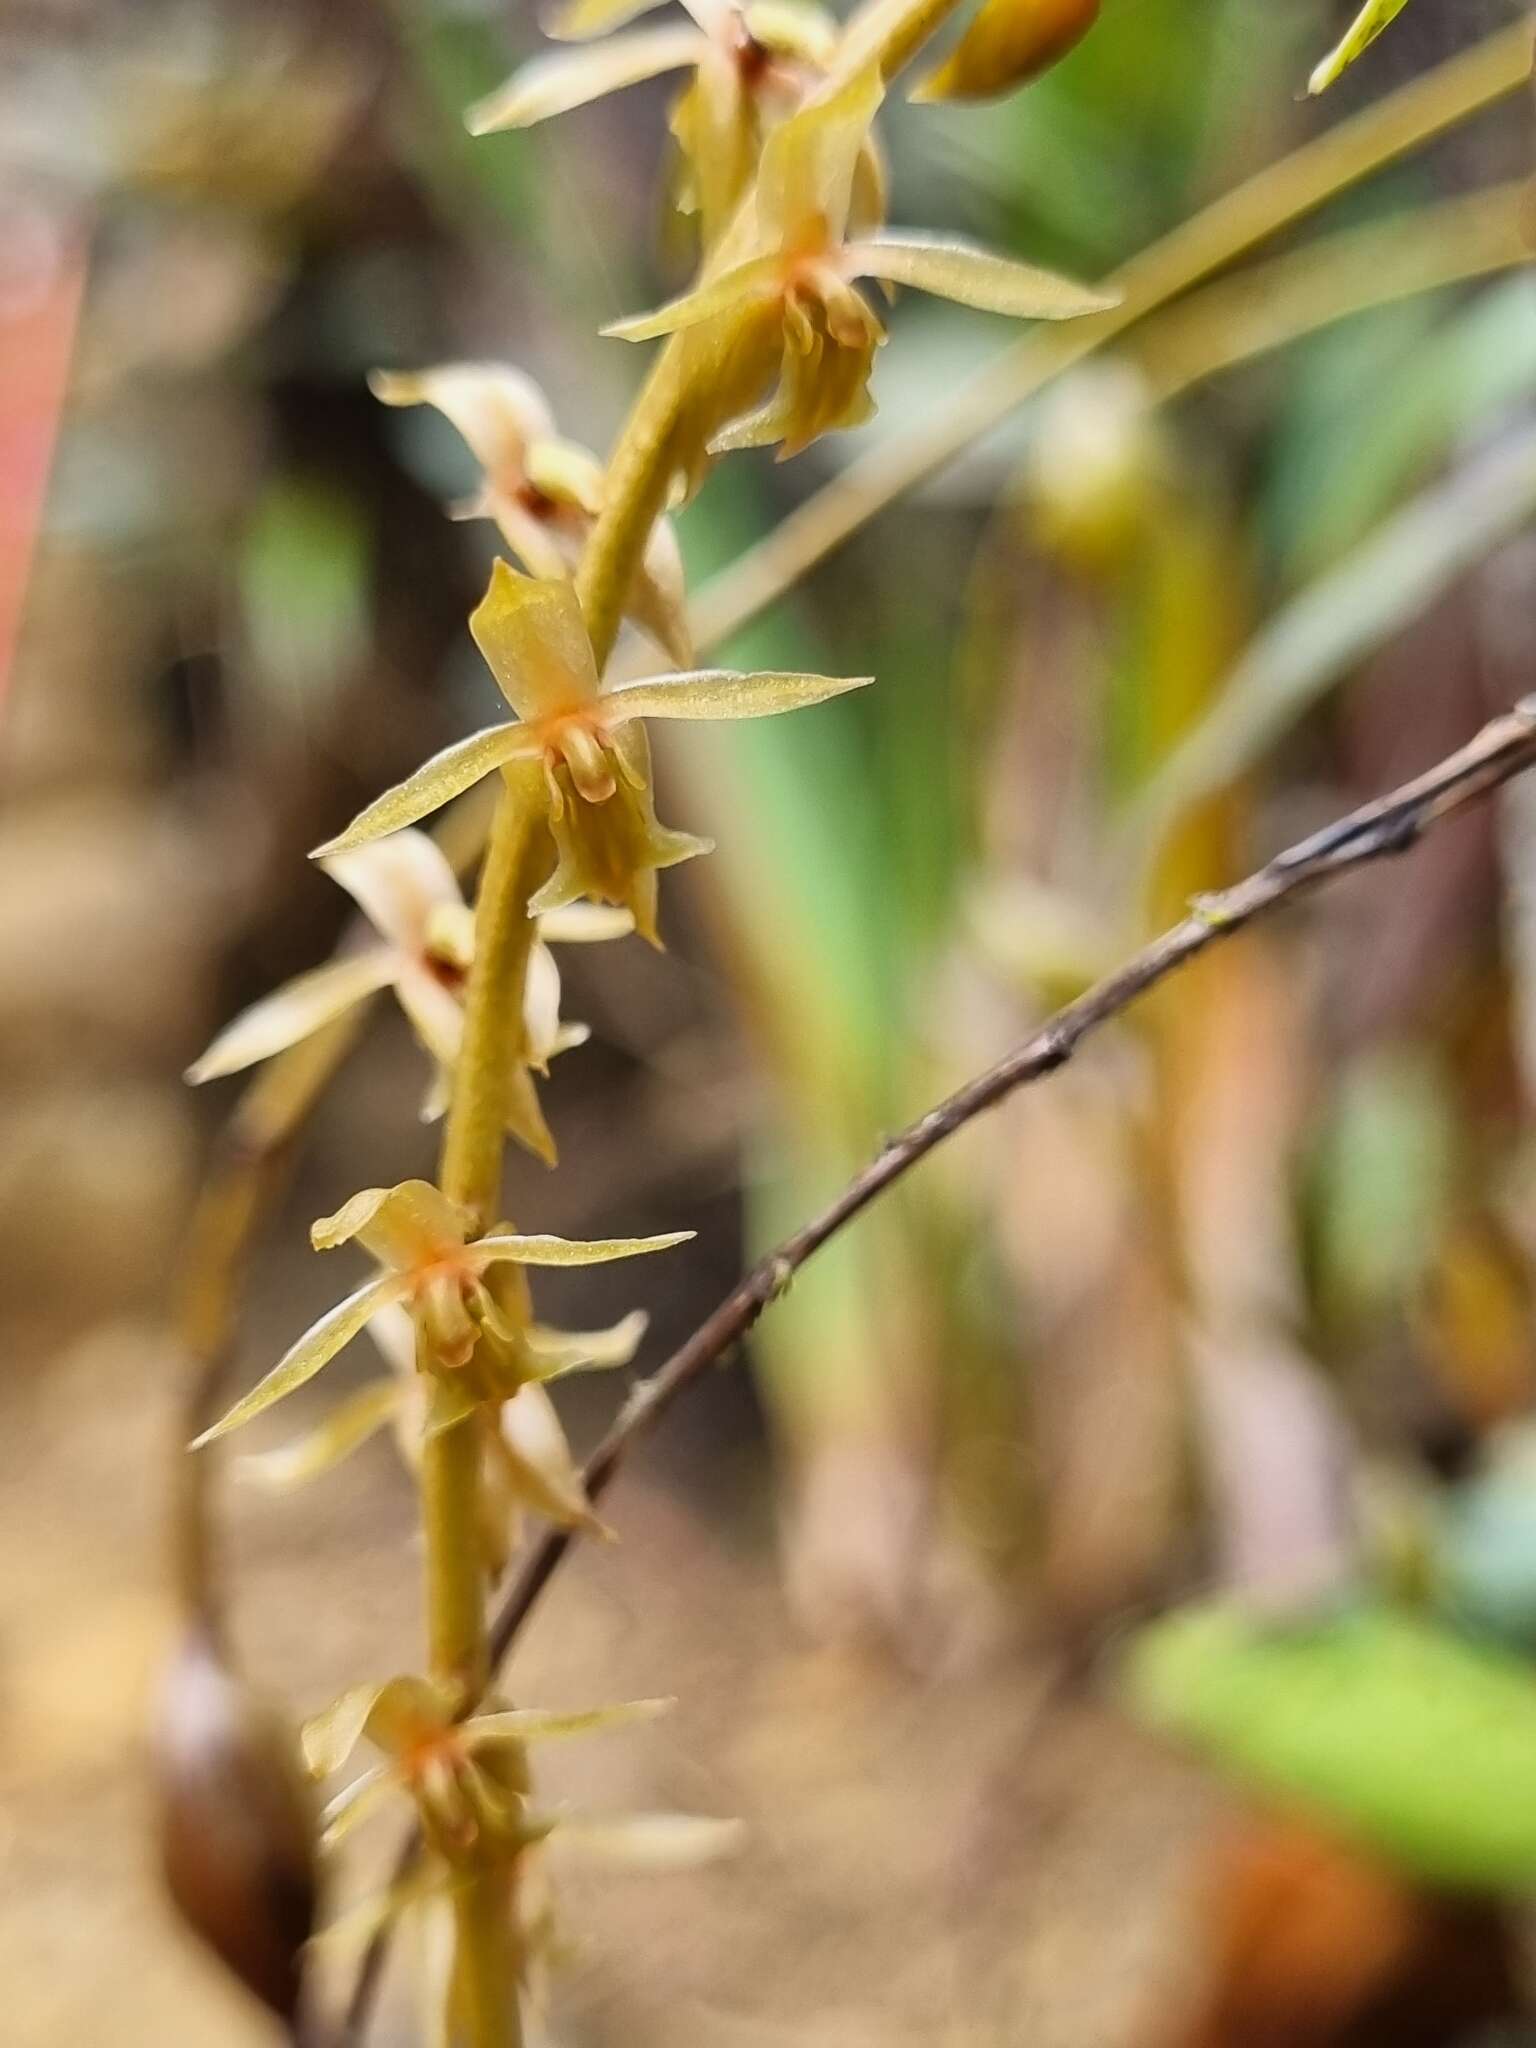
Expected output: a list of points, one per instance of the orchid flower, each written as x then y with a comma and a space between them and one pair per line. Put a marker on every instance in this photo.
409, 893
467, 1777
544, 493
753, 64
421, 1242
793, 302
528, 1465
588, 737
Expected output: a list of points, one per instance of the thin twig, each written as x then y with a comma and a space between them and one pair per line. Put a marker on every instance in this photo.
1380, 830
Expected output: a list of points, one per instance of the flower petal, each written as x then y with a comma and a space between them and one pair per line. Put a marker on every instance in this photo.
350, 1933
541, 1474
724, 693
567, 1251
760, 277
357, 1802
1008, 43
652, 1841
399, 884
579, 19
535, 643
1357, 39
412, 1224
315, 1349
974, 277
585, 924
294, 1011
436, 1016
446, 775
805, 181
791, 29
391, 1712
538, 1724
563, 79
344, 1429
497, 410
557, 1352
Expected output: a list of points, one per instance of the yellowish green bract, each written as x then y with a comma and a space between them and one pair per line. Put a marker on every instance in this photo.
1401, 1735
1358, 37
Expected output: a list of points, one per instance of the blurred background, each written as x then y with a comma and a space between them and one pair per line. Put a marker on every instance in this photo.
1244, 1298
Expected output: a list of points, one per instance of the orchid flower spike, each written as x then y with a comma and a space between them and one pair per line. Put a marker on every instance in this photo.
410, 895
421, 1243
590, 741
792, 303
544, 493
753, 64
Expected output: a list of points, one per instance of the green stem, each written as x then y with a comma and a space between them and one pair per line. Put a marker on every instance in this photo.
516, 862
485, 1975
634, 497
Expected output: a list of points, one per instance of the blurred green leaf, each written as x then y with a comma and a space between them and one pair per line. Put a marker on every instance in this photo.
1315, 641
1403, 1735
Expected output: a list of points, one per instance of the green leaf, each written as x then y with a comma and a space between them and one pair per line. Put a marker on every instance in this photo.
1402, 1735
1341, 618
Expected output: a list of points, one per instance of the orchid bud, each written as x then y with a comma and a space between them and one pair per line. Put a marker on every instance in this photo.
1008, 43
237, 1825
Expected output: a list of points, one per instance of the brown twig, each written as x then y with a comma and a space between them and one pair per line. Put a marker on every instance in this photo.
1390, 825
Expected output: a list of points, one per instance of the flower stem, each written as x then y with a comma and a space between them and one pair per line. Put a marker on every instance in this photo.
485, 1976
516, 862
634, 497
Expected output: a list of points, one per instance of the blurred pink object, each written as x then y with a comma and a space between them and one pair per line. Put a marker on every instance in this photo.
42, 272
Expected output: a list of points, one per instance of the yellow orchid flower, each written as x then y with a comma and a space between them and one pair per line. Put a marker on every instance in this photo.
544, 493
589, 739
527, 1464
409, 893
469, 1779
753, 64
421, 1241
1007, 44
793, 301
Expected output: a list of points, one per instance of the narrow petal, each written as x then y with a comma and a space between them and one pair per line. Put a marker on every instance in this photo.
760, 277
540, 1471
446, 775
652, 1841
565, 1251
578, 19
436, 1016
309, 1457
658, 599
293, 1012
541, 1007
1357, 39
558, 1352
563, 79
525, 1116
536, 1724
535, 643
724, 693
398, 883
585, 924
805, 182
315, 1349
358, 1802
412, 1224
497, 410
350, 1933
391, 1712
974, 277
